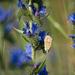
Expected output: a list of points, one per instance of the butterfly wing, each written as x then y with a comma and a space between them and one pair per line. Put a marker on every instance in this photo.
47, 42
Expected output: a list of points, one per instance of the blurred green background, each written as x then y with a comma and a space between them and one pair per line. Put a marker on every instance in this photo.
61, 58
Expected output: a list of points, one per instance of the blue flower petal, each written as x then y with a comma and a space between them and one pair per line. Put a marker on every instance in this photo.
42, 10
27, 25
73, 45
34, 28
43, 71
18, 57
73, 36
72, 18
74, 41
42, 36
47, 33
28, 50
4, 14
33, 8
20, 4
28, 32
24, 31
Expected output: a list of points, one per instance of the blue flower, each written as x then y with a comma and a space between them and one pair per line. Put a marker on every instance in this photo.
24, 30
8, 28
27, 25
33, 8
34, 28
42, 10
74, 41
73, 36
43, 71
72, 18
73, 45
20, 4
4, 15
18, 57
28, 32
42, 35
28, 50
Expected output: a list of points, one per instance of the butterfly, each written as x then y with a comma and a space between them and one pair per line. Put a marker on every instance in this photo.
47, 43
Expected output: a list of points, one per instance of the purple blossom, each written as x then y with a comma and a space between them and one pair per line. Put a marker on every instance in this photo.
18, 57
34, 28
73, 45
27, 25
74, 40
24, 30
33, 8
4, 14
20, 4
28, 50
72, 18
28, 32
73, 36
42, 35
41, 11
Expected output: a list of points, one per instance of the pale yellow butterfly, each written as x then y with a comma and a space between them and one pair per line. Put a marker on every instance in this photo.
47, 43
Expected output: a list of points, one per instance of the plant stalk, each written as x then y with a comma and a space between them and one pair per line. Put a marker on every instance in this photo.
30, 23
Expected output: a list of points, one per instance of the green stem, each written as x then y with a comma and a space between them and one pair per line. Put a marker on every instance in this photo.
33, 53
4, 51
0, 37
30, 23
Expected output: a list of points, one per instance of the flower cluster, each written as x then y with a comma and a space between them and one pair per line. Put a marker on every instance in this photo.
33, 31
73, 37
38, 12
35, 37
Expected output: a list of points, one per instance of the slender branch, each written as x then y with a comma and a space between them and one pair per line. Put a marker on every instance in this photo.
30, 23
3, 58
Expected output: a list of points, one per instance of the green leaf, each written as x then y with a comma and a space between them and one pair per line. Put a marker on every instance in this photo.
20, 12
36, 71
41, 66
25, 39
20, 31
38, 21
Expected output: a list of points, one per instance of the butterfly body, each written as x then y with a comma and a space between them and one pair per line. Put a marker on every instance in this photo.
47, 43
